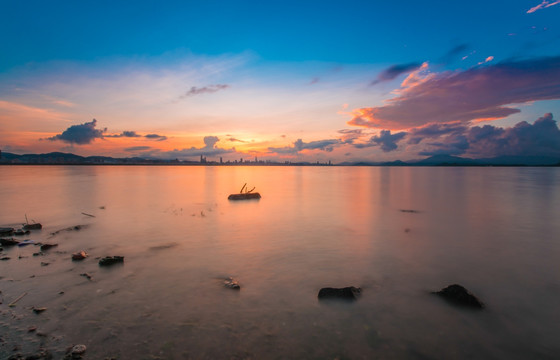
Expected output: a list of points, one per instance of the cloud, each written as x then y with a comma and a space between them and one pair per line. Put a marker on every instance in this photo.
130, 134
204, 90
542, 138
455, 52
137, 148
299, 145
155, 137
393, 71
545, 4
80, 134
385, 139
209, 149
479, 93
416, 135
232, 139
350, 135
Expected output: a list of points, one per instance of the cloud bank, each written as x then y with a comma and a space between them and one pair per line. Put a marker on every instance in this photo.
299, 145
209, 149
545, 4
480, 93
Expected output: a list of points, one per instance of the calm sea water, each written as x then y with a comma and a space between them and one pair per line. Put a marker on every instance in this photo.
493, 230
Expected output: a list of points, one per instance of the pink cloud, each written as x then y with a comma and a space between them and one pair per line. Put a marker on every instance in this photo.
545, 4
479, 93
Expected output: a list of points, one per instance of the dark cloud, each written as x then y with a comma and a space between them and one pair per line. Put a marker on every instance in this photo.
204, 90
435, 130
482, 92
209, 149
130, 134
155, 137
542, 138
137, 148
80, 134
385, 139
232, 139
299, 145
392, 72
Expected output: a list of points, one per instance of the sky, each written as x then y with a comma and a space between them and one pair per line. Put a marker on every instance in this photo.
282, 81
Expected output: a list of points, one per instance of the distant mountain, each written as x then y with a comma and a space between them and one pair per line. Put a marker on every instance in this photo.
436, 160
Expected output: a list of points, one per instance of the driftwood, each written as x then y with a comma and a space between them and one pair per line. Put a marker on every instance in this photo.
13, 303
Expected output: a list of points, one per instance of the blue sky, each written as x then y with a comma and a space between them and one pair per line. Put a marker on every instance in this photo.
260, 76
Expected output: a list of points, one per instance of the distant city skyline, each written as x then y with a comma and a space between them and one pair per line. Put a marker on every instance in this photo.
299, 82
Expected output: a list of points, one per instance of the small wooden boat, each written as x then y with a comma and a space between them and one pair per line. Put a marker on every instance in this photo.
248, 194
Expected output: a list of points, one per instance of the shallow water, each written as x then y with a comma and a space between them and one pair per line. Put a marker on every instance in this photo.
493, 230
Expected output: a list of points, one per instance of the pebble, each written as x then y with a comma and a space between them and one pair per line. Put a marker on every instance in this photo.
78, 349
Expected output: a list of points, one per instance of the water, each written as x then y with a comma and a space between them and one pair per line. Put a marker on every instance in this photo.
493, 230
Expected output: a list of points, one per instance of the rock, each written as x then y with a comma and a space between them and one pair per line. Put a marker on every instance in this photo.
78, 349
347, 293
8, 242
21, 232
32, 328
6, 231
88, 276
44, 263
5, 258
36, 226
232, 284
409, 211
47, 246
111, 260
39, 310
458, 295
79, 255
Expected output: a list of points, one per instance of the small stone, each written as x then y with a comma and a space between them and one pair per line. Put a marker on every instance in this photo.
5, 258
78, 349
88, 276
44, 263
79, 255
47, 246
32, 328
111, 260
232, 284
39, 310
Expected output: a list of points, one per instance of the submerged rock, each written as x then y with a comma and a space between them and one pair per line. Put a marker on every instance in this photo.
347, 293
6, 231
36, 226
78, 349
458, 295
8, 242
21, 232
232, 284
111, 260
39, 310
47, 246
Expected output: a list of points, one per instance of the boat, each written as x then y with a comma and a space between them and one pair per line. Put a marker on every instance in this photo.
248, 194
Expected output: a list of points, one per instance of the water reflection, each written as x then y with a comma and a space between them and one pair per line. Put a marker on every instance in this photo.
314, 227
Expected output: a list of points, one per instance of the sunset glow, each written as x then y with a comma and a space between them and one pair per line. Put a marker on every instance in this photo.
328, 88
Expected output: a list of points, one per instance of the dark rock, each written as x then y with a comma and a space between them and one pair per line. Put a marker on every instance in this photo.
86, 275
347, 293
47, 246
21, 232
39, 310
79, 255
458, 295
409, 211
232, 284
6, 231
111, 260
44, 263
8, 242
5, 258
36, 226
